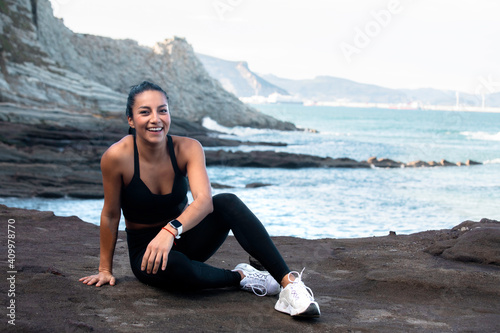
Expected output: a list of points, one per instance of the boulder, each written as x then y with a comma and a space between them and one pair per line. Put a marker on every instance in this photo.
471, 242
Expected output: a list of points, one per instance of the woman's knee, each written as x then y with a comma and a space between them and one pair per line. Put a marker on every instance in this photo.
225, 200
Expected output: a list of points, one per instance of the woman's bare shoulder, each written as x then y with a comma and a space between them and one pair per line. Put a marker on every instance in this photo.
182, 143
119, 151
187, 149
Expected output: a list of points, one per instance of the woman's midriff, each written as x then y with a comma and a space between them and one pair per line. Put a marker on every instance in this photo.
137, 226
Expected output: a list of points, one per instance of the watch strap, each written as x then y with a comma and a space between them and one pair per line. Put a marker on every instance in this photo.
177, 226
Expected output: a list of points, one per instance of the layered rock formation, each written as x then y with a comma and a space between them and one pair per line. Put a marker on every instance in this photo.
43, 63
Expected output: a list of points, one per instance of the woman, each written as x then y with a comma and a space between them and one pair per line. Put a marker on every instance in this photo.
144, 175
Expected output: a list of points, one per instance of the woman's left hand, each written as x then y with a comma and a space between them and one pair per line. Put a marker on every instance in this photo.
157, 252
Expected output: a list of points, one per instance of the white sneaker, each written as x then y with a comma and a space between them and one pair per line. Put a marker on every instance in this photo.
297, 299
261, 283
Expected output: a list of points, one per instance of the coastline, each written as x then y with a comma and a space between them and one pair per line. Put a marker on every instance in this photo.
410, 106
441, 280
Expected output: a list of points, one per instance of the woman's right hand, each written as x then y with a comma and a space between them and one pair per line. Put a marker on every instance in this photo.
99, 279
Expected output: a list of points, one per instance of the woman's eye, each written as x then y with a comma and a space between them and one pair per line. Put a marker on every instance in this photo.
164, 111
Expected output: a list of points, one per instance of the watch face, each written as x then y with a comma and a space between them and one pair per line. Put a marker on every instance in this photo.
176, 224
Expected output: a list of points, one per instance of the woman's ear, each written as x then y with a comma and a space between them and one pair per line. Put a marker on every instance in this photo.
130, 121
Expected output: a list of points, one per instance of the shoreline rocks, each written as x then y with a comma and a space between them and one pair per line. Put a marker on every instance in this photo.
271, 159
53, 153
373, 284
388, 163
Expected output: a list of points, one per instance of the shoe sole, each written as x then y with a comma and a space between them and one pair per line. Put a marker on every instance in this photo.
312, 310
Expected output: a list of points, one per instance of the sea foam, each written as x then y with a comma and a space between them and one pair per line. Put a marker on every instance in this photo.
482, 136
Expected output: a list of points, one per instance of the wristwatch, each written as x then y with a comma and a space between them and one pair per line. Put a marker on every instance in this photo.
177, 226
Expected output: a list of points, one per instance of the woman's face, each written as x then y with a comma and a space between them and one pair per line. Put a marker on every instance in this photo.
150, 116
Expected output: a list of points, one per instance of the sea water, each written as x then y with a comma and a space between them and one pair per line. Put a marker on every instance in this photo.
339, 203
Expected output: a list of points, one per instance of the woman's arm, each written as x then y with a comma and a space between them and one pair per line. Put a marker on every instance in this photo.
190, 156
110, 218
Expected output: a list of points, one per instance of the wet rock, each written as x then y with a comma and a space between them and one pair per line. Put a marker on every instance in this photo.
270, 159
256, 185
471, 162
444, 162
220, 186
418, 164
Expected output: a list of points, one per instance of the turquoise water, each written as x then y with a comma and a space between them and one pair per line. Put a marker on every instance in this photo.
339, 203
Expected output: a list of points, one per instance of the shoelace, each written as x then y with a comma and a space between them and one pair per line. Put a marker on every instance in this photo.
297, 292
261, 288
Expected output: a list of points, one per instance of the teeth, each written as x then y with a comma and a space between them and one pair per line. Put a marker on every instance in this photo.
156, 129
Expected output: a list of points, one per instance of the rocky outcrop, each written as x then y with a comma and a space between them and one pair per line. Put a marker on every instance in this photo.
471, 242
270, 159
43, 64
373, 284
388, 163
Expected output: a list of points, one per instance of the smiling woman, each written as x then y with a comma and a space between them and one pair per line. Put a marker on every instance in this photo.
144, 175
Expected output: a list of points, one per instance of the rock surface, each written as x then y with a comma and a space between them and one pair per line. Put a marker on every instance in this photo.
375, 284
471, 242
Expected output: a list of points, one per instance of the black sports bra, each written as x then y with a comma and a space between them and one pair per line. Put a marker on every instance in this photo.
139, 205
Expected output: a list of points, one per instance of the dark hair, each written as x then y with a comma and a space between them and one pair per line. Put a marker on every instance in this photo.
136, 90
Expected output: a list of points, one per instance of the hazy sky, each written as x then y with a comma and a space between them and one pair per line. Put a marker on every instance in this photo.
444, 44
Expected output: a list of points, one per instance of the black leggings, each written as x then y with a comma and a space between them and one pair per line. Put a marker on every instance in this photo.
186, 268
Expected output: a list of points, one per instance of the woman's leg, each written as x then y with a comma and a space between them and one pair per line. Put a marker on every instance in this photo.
233, 214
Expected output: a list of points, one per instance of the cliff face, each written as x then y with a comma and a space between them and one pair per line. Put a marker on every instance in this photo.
236, 77
29, 76
43, 63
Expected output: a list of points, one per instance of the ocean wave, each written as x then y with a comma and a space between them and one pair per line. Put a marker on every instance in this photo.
493, 161
211, 124
482, 136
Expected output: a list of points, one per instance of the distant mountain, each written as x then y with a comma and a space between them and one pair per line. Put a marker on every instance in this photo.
237, 78
329, 89
332, 89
